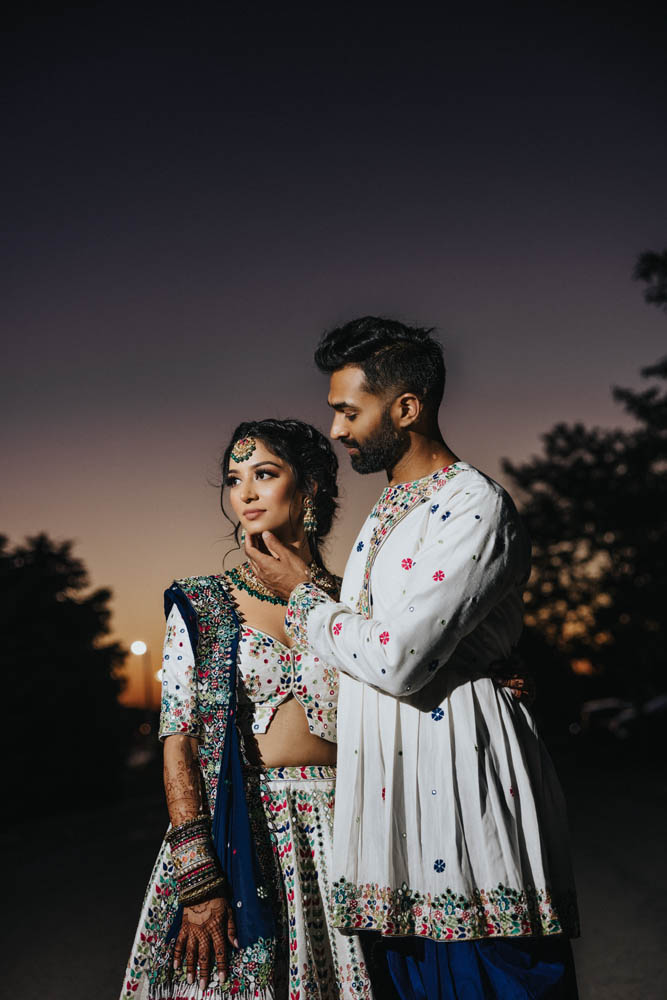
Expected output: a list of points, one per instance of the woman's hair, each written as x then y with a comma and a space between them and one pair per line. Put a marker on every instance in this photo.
311, 459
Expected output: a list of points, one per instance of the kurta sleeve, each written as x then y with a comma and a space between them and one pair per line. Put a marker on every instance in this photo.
179, 711
466, 565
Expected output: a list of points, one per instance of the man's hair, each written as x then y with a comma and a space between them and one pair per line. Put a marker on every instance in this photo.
391, 355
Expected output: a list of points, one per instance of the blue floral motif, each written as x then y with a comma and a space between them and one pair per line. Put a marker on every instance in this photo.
437, 714
439, 865
436, 506
360, 546
444, 516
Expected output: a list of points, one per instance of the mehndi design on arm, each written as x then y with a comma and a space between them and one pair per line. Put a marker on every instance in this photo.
182, 783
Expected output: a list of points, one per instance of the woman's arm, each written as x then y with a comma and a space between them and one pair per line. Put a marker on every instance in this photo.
207, 925
208, 922
182, 778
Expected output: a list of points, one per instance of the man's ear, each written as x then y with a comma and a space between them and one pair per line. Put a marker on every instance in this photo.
407, 409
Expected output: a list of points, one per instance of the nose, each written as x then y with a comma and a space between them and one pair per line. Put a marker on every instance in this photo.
248, 490
338, 430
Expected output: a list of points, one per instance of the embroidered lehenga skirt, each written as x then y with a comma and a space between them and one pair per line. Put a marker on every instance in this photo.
314, 961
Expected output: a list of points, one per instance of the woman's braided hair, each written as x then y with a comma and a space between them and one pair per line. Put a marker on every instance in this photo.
312, 460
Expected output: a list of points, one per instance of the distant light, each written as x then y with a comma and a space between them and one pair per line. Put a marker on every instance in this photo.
138, 647
158, 675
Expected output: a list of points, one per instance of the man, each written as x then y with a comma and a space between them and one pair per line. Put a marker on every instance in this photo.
450, 837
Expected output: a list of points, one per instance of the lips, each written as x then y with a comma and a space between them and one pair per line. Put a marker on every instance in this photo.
251, 515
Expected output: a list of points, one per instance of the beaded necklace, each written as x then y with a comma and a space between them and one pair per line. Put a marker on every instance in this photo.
243, 577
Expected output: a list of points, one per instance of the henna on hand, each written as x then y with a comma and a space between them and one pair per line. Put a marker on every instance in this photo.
513, 674
521, 686
205, 931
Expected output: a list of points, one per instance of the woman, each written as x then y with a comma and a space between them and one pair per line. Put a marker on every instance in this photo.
236, 904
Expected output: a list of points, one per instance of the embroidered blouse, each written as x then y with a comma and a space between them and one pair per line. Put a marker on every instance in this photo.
449, 822
268, 673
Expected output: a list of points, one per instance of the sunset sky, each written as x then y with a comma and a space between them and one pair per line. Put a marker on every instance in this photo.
192, 198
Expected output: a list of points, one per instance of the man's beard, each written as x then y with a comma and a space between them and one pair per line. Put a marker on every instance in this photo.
382, 449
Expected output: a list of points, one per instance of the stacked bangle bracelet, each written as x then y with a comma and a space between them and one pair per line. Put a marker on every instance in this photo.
196, 866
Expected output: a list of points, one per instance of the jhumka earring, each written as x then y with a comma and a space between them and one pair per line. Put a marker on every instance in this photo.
309, 516
242, 536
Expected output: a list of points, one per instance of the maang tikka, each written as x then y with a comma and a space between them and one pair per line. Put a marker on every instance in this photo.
243, 449
309, 516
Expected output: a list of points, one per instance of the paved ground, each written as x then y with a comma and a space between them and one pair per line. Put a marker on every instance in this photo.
81, 882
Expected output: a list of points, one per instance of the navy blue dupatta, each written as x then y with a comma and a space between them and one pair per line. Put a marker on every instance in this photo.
232, 833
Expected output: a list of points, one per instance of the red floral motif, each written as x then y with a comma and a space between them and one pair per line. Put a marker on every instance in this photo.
384, 638
438, 576
406, 563
336, 629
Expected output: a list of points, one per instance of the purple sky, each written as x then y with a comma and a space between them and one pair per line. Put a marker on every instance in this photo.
191, 200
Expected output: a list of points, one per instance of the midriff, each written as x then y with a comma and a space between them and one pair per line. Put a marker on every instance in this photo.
288, 742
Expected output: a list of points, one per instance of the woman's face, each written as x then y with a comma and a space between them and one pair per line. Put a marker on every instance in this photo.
263, 494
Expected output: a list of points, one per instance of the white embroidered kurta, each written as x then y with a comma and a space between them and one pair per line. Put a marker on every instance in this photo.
450, 821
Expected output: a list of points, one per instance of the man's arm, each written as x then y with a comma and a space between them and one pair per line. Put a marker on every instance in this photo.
468, 565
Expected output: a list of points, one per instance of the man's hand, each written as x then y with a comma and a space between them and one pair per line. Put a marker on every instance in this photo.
204, 933
279, 569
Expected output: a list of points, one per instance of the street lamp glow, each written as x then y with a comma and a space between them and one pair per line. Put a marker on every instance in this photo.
138, 647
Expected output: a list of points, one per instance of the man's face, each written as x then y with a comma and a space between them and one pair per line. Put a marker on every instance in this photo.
363, 423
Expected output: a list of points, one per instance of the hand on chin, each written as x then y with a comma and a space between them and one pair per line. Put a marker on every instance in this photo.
277, 566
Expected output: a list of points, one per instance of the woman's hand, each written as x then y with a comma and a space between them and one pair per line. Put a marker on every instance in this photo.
205, 931
513, 674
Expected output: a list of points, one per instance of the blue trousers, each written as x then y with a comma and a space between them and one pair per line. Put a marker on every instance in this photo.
490, 969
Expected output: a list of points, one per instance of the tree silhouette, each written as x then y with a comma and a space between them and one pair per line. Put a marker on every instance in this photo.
64, 713
595, 506
651, 267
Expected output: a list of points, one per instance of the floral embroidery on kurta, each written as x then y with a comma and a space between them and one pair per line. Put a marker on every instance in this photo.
425, 721
450, 915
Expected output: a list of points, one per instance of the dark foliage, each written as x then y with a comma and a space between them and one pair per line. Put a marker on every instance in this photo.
63, 715
651, 267
595, 503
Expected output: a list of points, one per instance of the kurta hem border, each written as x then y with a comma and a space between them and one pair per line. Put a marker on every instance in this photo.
451, 916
